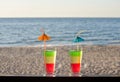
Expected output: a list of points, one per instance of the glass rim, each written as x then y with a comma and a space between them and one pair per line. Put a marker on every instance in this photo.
50, 50
76, 50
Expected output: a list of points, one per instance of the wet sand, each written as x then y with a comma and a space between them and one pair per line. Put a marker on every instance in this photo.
97, 61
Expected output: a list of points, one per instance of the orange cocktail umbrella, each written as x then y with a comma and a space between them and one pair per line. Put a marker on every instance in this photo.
44, 38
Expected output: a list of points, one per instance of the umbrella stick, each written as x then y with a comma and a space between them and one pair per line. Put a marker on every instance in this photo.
44, 45
44, 54
81, 48
77, 47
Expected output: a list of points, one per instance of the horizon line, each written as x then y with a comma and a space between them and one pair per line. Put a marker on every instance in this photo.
61, 17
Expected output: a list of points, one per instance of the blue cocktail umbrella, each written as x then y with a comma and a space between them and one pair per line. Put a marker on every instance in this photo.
78, 39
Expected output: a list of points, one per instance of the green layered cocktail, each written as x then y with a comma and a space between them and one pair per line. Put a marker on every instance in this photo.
49, 60
76, 58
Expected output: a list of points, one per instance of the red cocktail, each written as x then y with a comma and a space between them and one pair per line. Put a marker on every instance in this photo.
49, 60
76, 58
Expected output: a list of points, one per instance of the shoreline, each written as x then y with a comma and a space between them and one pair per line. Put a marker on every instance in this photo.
98, 60
57, 45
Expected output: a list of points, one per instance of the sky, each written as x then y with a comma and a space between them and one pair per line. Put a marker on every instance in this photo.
59, 8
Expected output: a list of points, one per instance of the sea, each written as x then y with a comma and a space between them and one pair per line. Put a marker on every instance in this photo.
25, 31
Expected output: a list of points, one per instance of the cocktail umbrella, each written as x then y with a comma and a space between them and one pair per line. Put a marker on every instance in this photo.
44, 37
78, 39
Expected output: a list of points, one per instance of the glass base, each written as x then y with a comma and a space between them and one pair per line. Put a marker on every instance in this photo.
50, 75
76, 75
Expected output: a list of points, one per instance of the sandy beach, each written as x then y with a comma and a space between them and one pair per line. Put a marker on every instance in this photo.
97, 60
